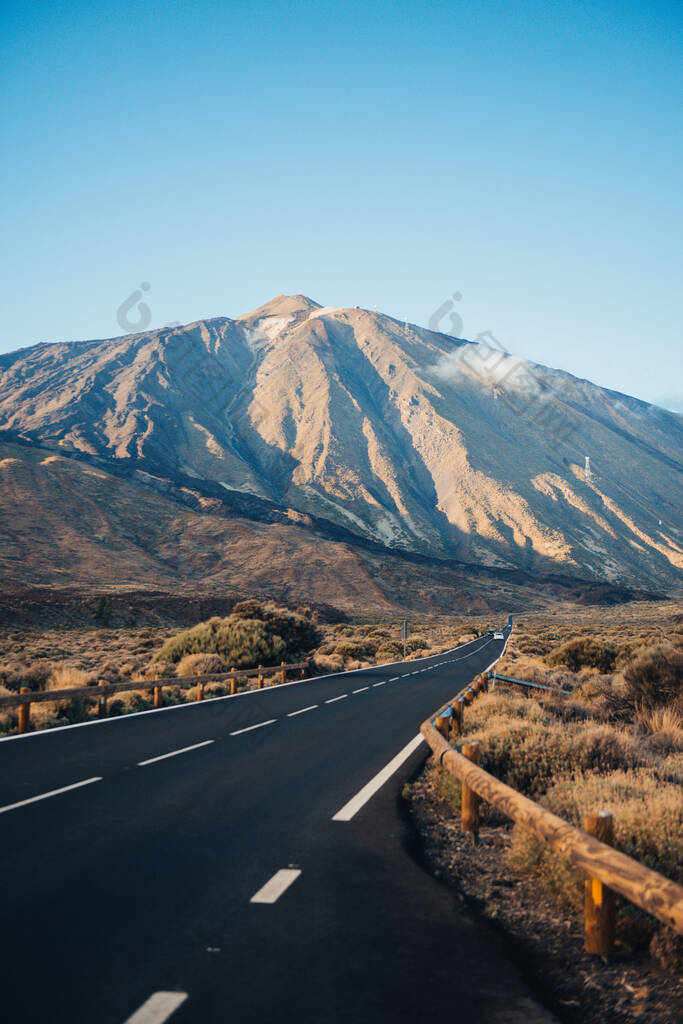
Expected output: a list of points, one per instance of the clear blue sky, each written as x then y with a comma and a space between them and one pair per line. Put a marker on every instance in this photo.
527, 155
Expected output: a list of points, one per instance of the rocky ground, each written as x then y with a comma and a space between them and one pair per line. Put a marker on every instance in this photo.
546, 940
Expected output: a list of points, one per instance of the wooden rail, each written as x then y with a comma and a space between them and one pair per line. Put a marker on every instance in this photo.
603, 865
102, 690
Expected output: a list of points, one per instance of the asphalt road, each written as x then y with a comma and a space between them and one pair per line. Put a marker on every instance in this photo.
220, 874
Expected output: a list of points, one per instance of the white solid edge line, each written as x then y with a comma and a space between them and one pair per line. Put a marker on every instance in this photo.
53, 792
333, 700
495, 662
362, 689
157, 1008
370, 788
173, 753
259, 725
232, 696
274, 887
302, 710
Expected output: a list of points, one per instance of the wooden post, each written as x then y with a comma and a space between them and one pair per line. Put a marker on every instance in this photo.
283, 674
24, 713
457, 717
599, 901
302, 672
233, 683
485, 679
200, 691
158, 699
101, 701
469, 695
469, 800
441, 723
260, 677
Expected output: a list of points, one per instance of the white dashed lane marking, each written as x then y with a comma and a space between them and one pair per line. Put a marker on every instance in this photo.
173, 753
274, 888
238, 732
333, 700
157, 1008
302, 710
52, 792
362, 689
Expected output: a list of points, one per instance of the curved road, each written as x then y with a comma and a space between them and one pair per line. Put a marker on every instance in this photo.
241, 859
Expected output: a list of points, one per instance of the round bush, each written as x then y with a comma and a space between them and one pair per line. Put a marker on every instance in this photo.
654, 676
297, 629
584, 652
241, 643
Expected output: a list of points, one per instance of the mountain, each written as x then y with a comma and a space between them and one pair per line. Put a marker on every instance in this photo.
376, 431
72, 533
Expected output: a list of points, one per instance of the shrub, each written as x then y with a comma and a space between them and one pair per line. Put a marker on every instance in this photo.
390, 651
297, 629
201, 664
584, 652
241, 643
351, 649
654, 676
157, 669
648, 826
524, 746
14, 675
104, 609
323, 663
416, 643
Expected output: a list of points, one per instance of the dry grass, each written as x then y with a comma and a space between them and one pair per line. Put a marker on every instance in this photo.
615, 744
201, 664
648, 826
666, 722
66, 677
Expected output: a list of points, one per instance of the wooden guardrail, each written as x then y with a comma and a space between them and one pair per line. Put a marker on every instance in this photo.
103, 690
607, 870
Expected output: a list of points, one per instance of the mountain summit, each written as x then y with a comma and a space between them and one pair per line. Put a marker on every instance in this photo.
408, 438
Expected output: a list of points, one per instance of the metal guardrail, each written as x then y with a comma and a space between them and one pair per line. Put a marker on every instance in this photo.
26, 697
531, 686
607, 870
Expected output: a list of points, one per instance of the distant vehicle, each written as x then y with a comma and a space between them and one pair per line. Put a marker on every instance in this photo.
498, 636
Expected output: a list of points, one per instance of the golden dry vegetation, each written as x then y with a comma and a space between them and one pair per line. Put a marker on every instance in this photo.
56, 659
615, 742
